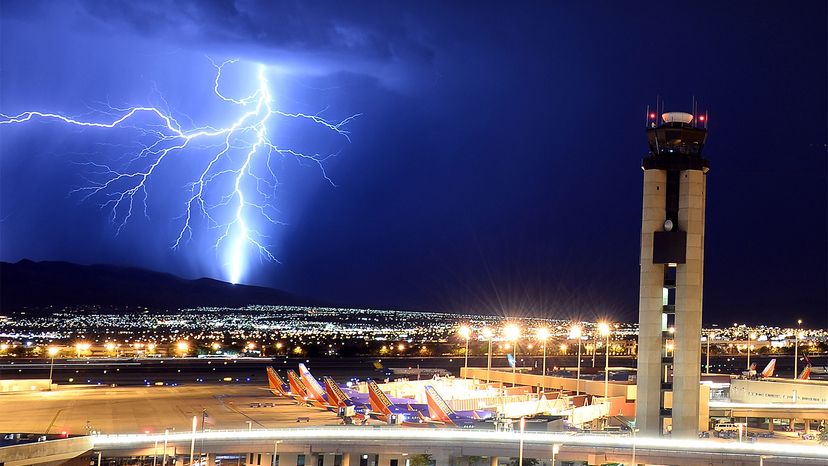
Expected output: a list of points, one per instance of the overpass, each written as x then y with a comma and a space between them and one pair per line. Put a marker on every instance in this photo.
388, 446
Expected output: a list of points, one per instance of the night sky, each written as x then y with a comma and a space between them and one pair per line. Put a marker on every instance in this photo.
495, 166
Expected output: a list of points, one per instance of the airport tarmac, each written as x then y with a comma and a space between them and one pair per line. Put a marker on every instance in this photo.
77, 410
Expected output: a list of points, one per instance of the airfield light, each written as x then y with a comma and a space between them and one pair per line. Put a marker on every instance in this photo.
53, 351
151, 346
182, 347
215, 346
576, 333
110, 346
4, 347
543, 333
465, 332
401, 347
603, 328
564, 347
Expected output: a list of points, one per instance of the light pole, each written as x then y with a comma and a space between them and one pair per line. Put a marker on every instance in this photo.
543, 334
52, 352
164, 460
512, 334
796, 347
707, 364
275, 451
575, 332
556, 447
751, 336
604, 328
520, 449
192, 442
489, 335
465, 332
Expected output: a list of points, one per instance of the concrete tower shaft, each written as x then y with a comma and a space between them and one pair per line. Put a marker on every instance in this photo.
670, 293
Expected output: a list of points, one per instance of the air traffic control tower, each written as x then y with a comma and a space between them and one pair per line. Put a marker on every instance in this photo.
672, 259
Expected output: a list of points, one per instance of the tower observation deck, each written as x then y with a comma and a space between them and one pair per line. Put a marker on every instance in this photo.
672, 260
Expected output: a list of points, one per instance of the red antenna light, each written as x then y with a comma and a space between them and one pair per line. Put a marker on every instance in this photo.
701, 117
652, 116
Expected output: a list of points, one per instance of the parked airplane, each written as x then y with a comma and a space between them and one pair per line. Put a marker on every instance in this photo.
439, 410
767, 372
806, 373
400, 411
312, 387
276, 384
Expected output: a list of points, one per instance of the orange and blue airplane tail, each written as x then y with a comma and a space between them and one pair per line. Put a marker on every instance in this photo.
336, 396
379, 401
275, 383
438, 409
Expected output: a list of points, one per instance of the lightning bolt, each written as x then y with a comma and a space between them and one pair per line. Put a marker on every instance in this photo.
242, 151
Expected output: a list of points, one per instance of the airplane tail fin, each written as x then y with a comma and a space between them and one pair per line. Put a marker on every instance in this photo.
296, 385
768, 371
806, 373
379, 401
311, 384
335, 394
437, 406
275, 382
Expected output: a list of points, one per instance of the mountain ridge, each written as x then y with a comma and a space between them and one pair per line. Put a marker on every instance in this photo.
27, 284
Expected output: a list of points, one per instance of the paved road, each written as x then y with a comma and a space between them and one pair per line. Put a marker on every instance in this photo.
153, 409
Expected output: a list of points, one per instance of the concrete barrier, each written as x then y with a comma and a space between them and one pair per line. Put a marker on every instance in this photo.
48, 451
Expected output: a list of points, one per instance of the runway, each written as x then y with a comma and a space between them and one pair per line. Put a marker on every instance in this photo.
80, 410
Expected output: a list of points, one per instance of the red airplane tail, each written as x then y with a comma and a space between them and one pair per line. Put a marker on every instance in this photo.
379, 401
806, 373
296, 386
768, 371
437, 407
336, 396
275, 383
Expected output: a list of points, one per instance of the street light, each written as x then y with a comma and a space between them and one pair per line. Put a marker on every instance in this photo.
799, 335
488, 334
575, 332
543, 334
465, 332
604, 328
707, 365
520, 449
751, 336
796, 347
513, 333
52, 352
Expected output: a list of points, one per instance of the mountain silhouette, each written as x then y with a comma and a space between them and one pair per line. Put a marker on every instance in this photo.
32, 285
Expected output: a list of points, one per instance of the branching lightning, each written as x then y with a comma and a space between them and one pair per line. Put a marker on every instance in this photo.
241, 151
